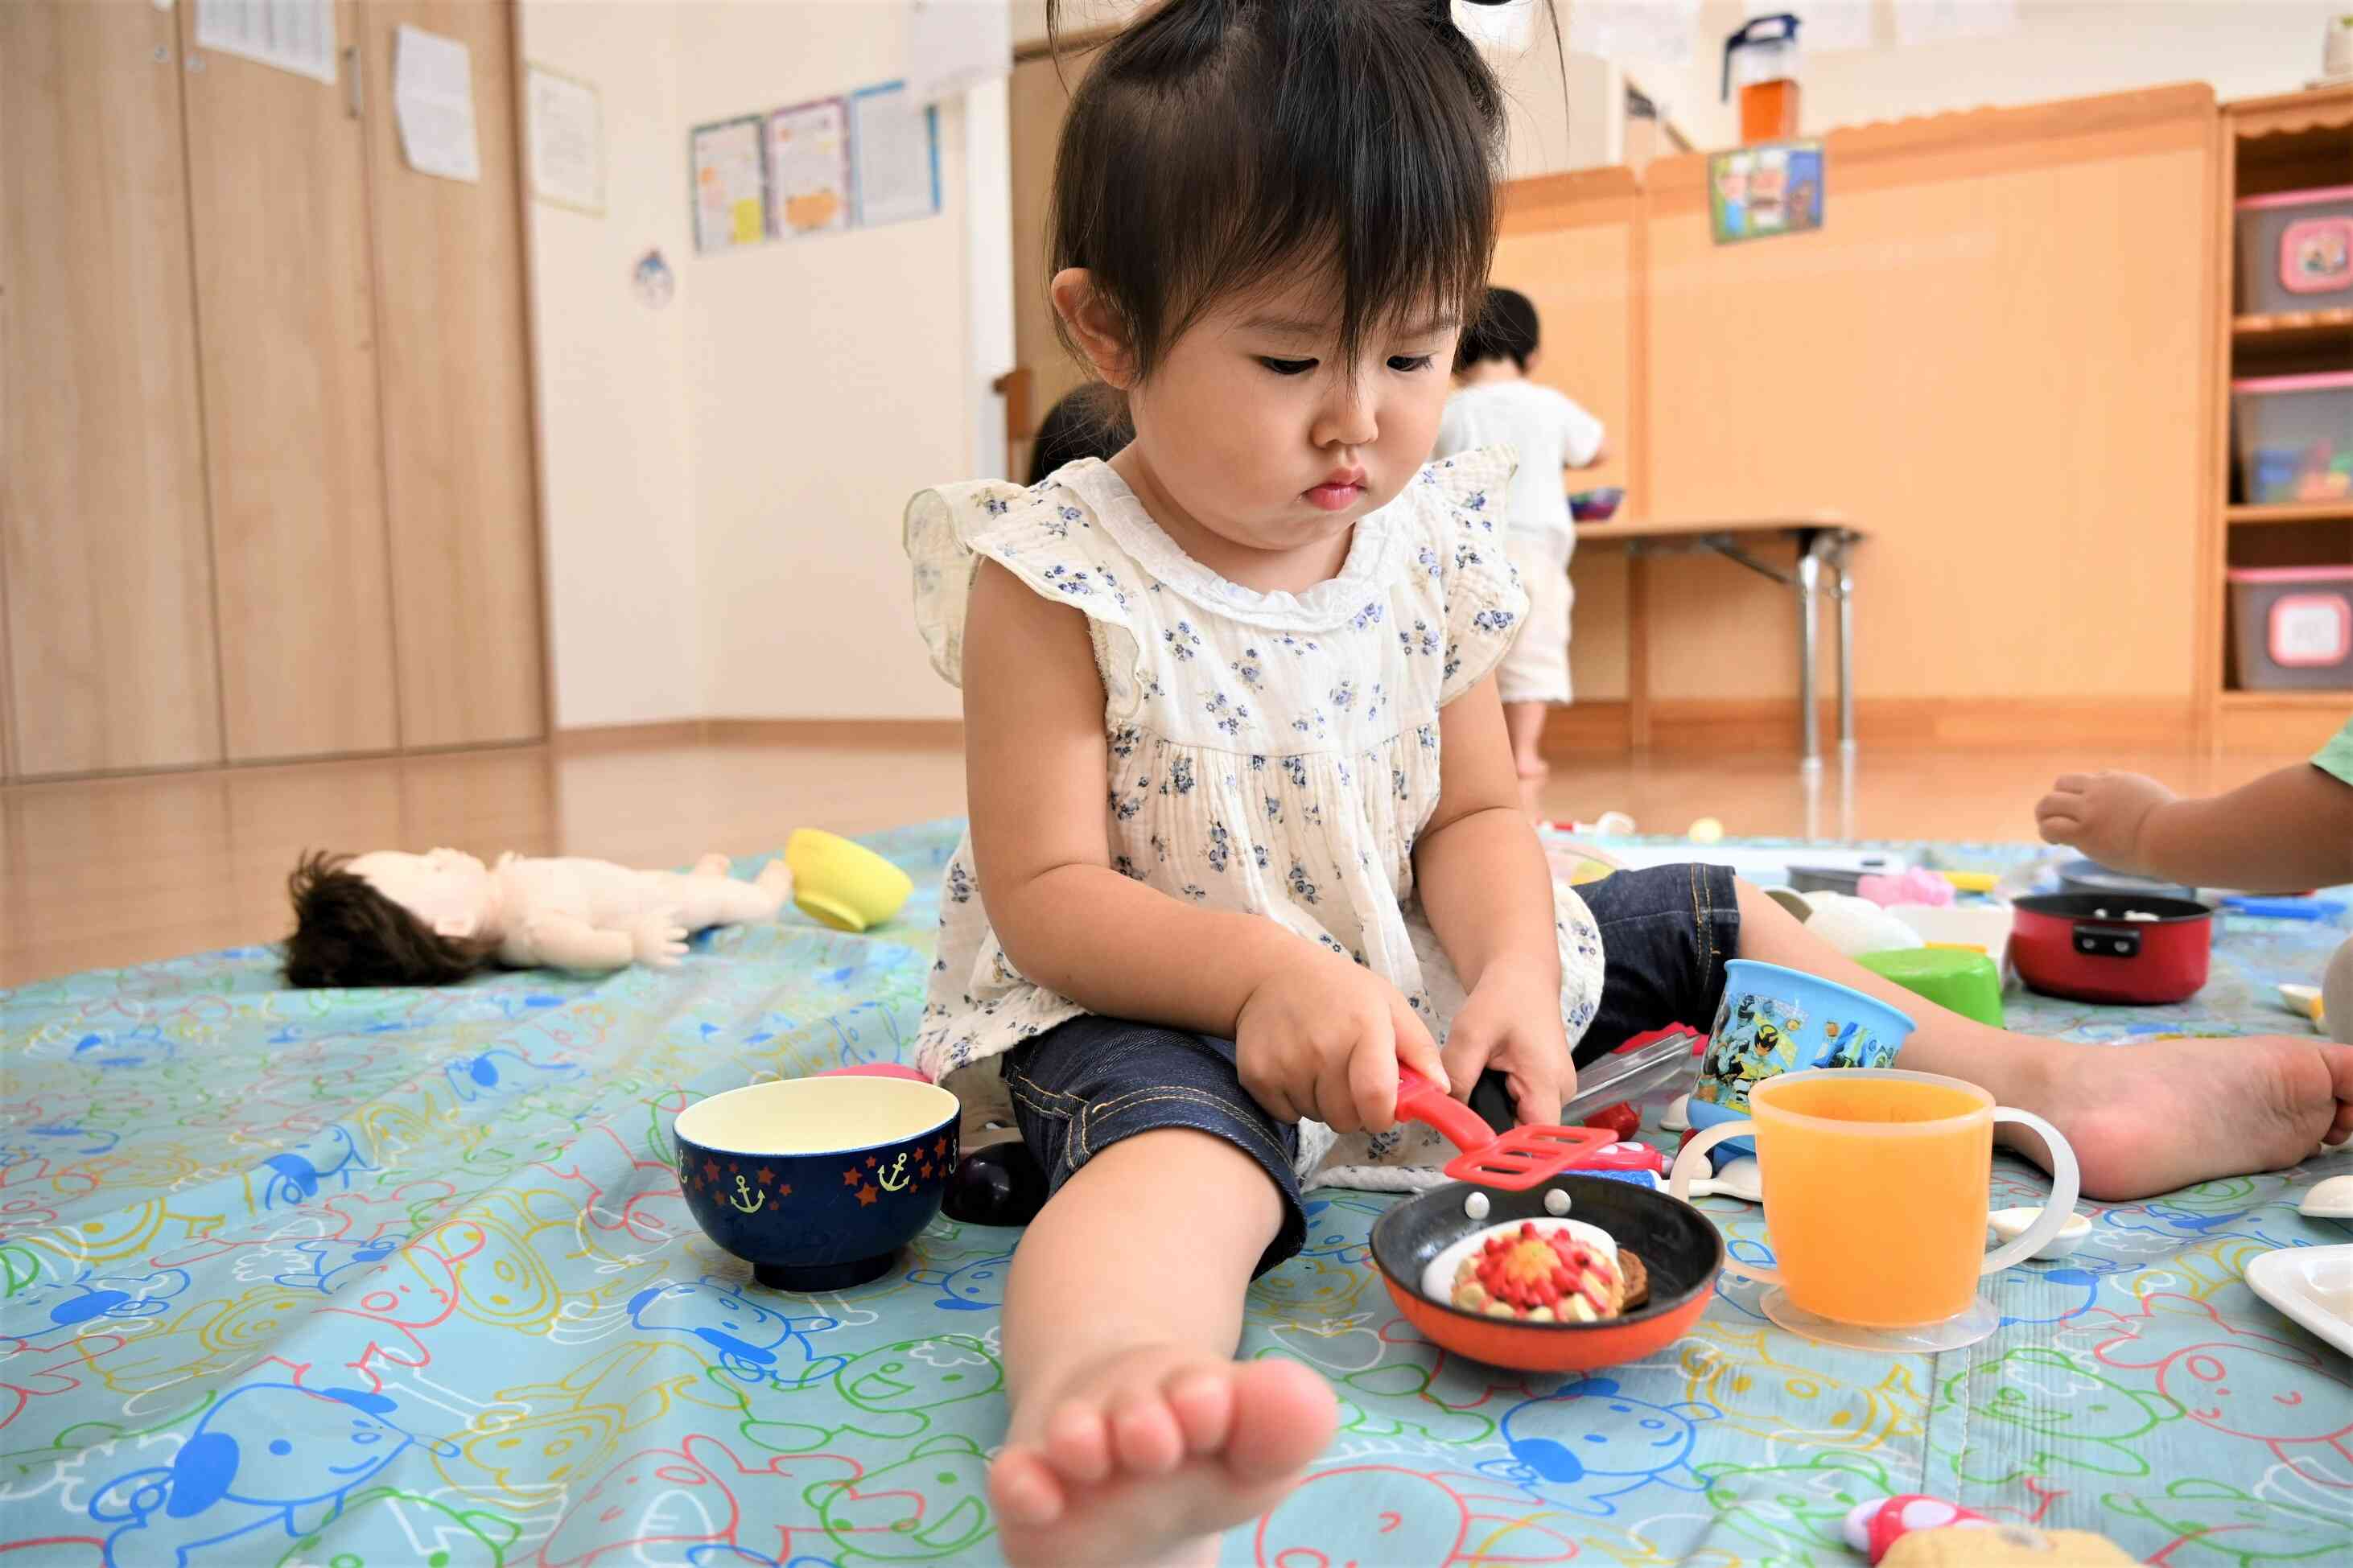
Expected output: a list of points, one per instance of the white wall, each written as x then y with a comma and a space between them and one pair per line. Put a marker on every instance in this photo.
828, 379
616, 464
2059, 48
725, 478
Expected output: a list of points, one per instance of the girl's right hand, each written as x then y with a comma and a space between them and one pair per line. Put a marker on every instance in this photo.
1321, 1038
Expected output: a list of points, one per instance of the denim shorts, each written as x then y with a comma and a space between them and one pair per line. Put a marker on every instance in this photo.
1080, 1086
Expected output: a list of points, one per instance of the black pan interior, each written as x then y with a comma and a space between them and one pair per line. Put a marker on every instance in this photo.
1679, 1245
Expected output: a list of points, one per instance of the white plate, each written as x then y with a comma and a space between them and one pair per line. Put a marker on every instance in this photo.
2313, 1285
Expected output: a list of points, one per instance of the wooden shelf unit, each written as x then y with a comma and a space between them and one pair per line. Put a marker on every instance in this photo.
2292, 141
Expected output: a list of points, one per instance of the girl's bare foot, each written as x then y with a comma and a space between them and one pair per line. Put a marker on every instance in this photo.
712, 865
1145, 1456
2154, 1117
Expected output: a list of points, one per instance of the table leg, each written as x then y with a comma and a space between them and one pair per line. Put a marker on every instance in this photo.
1637, 649
1840, 565
1809, 582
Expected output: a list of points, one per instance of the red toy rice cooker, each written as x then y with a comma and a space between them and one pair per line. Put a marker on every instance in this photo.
2112, 947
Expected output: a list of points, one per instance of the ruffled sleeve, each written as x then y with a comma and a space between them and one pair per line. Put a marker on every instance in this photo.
1045, 536
1463, 502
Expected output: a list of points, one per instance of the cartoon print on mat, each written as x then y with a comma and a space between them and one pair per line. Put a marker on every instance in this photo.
2228, 1379
46, 1314
974, 1286
464, 1252
296, 1175
269, 1454
1587, 1446
747, 1335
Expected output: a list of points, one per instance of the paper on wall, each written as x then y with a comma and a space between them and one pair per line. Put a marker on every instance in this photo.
1945, 21
433, 103
1824, 27
956, 45
568, 142
296, 35
808, 168
896, 143
1659, 31
731, 176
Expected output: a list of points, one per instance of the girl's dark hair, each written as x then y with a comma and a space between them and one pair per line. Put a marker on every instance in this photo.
347, 933
1505, 328
1218, 146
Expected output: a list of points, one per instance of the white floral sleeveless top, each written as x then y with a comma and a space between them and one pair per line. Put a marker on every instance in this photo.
1268, 752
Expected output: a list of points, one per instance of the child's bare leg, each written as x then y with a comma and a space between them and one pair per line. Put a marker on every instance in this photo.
1135, 1436
1523, 723
2143, 1118
709, 896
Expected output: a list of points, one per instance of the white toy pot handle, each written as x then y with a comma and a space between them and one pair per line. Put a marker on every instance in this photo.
2064, 1186
1679, 1181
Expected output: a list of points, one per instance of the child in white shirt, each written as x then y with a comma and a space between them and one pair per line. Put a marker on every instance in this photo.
1497, 404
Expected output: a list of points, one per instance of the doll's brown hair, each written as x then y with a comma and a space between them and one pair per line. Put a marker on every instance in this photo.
348, 933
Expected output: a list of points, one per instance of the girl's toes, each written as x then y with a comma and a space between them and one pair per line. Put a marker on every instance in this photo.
1144, 1435
1024, 1488
1078, 1445
1203, 1403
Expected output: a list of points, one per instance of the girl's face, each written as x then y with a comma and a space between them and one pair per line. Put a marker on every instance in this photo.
1252, 431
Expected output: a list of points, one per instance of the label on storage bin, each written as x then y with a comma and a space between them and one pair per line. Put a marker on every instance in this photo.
2317, 256
2309, 630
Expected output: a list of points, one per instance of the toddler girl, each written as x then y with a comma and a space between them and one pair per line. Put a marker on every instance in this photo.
1245, 828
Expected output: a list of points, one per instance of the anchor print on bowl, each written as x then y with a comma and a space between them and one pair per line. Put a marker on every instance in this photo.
792, 1178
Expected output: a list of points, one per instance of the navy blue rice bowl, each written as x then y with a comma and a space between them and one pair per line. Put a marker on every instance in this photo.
816, 1182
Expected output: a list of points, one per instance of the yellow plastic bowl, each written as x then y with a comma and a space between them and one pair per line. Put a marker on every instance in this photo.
846, 885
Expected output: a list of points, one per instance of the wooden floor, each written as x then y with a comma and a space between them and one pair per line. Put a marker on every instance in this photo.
97, 874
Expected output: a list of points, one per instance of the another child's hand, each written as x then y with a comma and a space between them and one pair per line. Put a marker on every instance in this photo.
1511, 1023
1322, 1039
2102, 815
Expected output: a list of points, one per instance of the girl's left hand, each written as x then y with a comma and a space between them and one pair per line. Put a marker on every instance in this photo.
1511, 1021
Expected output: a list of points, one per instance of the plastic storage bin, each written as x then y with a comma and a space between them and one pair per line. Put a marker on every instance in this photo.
2295, 251
2296, 437
2294, 627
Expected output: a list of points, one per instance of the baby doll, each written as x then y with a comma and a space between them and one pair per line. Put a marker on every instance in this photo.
392, 918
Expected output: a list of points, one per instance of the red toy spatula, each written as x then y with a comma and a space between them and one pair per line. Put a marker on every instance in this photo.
1514, 1163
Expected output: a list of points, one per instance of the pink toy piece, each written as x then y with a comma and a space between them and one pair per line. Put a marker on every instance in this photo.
1914, 886
874, 1069
1875, 1524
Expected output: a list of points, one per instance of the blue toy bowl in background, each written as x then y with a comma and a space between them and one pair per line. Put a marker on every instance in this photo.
818, 1182
1775, 1020
1597, 505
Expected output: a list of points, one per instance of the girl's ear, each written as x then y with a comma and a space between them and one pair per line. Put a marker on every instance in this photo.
1095, 324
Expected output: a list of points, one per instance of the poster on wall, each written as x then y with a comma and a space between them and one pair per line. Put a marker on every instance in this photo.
296, 35
1773, 188
1658, 32
567, 142
895, 152
433, 101
731, 182
809, 188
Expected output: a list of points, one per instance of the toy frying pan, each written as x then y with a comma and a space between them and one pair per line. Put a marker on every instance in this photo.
1514, 1163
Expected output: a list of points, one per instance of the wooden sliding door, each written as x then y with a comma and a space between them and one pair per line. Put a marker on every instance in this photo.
107, 564
285, 289
459, 498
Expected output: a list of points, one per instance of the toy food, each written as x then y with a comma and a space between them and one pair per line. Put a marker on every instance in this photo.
1540, 1273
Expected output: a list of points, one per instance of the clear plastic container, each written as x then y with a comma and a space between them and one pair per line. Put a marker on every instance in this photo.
2296, 437
2295, 251
2293, 628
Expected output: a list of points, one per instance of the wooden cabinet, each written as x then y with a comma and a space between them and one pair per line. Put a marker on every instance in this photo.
269, 484
109, 658
278, 200
455, 378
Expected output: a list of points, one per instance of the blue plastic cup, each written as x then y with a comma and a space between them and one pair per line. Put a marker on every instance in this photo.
1775, 1020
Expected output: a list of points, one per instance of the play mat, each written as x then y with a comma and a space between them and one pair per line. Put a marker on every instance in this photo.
369, 1279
